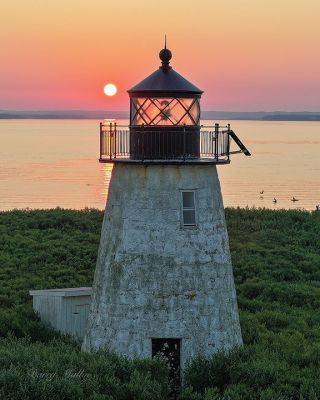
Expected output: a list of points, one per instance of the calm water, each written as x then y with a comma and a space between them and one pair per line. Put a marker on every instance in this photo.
49, 163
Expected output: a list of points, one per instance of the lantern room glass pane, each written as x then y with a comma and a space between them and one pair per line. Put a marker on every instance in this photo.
195, 111
164, 111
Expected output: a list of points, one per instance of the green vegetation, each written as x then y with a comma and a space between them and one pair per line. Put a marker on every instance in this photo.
276, 258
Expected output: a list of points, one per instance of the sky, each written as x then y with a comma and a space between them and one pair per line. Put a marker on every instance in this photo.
247, 55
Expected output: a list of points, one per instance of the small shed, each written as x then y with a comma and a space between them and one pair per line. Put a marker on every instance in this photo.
66, 310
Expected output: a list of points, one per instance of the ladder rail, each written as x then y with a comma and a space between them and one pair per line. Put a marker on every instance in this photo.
241, 146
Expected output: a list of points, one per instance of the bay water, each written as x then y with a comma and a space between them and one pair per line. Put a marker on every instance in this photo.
50, 163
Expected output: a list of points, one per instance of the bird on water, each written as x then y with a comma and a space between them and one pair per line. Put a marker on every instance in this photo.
294, 199
275, 200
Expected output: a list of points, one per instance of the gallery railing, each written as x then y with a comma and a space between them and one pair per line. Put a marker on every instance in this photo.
118, 143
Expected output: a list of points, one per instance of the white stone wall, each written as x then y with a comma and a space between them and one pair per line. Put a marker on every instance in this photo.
155, 279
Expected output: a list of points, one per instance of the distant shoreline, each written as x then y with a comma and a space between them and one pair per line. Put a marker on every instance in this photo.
206, 115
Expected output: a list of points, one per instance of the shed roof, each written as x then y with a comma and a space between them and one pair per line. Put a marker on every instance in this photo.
63, 292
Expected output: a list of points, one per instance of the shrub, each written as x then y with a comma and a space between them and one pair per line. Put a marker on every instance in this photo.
276, 261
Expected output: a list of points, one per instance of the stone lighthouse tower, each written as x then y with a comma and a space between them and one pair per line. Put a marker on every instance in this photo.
163, 280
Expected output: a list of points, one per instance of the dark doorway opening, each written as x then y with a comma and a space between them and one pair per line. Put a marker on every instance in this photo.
169, 350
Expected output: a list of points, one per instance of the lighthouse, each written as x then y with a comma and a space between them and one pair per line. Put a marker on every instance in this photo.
163, 282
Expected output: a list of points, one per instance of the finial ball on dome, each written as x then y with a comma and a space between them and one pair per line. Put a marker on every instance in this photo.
165, 56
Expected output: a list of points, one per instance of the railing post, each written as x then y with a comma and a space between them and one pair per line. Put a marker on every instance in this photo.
184, 142
228, 143
101, 141
143, 145
216, 136
110, 140
115, 140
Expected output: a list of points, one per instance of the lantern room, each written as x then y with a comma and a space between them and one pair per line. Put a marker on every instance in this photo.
168, 104
165, 124
165, 98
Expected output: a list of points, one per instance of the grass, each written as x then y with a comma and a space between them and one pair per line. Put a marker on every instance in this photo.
276, 259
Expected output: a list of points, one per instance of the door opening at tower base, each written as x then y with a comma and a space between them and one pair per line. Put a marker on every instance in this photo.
169, 350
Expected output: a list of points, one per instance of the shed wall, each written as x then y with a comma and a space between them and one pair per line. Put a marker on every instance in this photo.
49, 309
66, 313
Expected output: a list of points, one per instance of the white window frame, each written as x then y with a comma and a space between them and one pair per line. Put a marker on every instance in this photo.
189, 226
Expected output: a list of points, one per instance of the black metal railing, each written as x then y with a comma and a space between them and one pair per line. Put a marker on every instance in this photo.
118, 143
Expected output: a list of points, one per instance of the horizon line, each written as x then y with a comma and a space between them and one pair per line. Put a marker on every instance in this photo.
127, 111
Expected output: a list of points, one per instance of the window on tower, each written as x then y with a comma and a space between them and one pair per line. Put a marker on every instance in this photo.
189, 208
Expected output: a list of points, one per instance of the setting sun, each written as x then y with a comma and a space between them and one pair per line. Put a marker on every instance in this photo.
110, 89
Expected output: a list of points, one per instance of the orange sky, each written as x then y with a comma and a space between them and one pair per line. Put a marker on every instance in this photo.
246, 55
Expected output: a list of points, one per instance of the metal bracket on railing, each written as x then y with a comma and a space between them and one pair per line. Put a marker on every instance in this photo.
242, 147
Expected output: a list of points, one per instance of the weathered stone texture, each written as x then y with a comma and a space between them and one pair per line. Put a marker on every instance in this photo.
155, 279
